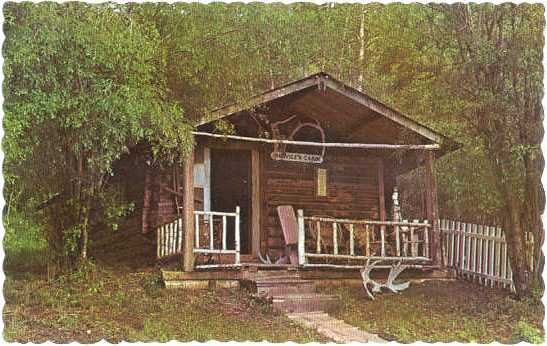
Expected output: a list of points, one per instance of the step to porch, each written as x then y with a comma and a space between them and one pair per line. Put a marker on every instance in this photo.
287, 292
282, 286
304, 302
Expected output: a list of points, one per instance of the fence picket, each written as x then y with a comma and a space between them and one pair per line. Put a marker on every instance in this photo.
479, 252
468, 249
452, 242
474, 251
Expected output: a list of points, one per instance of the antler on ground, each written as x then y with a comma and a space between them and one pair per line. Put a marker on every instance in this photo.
394, 271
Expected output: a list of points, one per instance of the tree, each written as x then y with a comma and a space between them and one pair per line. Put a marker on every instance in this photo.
83, 84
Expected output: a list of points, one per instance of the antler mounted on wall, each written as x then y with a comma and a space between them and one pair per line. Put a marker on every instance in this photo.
280, 153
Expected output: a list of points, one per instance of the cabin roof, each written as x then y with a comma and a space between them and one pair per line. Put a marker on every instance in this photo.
345, 113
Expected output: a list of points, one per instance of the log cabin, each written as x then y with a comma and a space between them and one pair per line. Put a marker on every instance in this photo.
329, 151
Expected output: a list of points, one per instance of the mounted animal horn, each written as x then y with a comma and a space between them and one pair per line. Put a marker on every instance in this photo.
280, 152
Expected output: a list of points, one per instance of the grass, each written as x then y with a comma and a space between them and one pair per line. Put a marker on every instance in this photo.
93, 304
119, 299
24, 245
122, 298
444, 311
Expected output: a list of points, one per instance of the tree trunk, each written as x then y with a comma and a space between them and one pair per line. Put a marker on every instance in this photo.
361, 49
535, 205
514, 234
512, 218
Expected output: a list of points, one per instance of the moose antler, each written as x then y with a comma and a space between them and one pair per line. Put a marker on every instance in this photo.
394, 271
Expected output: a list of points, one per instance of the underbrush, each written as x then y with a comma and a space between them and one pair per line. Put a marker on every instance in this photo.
25, 247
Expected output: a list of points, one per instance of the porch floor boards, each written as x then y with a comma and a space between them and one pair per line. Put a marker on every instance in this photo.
254, 271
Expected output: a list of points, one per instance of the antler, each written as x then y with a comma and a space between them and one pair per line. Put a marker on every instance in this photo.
365, 274
394, 271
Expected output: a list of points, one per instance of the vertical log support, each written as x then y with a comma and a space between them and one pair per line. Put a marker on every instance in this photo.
188, 214
147, 197
255, 201
381, 191
432, 210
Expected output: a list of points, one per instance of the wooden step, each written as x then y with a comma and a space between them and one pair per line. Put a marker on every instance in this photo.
282, 286
304, 302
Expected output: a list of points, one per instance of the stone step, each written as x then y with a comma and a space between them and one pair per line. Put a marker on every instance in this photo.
304, 302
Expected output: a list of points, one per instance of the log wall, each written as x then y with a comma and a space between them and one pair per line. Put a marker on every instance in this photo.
352, 191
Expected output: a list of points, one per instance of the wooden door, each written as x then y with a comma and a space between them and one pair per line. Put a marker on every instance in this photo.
231, 187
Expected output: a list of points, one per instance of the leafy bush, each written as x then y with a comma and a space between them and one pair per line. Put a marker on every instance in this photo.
24, 244
525, 331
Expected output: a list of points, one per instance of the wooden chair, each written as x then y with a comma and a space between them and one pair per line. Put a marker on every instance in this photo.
289, 225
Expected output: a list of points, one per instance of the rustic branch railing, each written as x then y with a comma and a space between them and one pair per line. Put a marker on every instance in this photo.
213, 239
479, 252
169, 239
339, 240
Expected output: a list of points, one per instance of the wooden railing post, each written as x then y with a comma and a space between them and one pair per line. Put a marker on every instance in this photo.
301, 238
395, 216
237, 236
188, 213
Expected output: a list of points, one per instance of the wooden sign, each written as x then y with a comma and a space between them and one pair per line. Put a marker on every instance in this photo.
297, 157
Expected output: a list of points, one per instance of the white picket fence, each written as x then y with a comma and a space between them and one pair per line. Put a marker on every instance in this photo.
479, 252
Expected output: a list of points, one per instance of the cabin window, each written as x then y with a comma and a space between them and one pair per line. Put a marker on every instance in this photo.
321, 182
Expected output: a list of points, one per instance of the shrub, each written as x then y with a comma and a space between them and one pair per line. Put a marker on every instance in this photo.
525, 331
24, 244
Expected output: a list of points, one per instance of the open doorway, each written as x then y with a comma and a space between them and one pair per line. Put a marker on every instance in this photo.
231, 187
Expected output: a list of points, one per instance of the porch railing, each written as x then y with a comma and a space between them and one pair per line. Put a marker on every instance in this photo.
346, 242
169, 239
211, 235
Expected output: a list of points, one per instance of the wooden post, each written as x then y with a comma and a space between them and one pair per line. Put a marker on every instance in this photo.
381, 191
396, 211
255, 202
188, 213
147, 197
432, 210
237, 235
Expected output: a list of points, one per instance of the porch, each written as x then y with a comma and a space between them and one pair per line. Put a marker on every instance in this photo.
323, 243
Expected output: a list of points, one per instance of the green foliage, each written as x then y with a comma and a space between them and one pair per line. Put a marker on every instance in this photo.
526, 332
90, 81
24, 244
83, 84
156, 330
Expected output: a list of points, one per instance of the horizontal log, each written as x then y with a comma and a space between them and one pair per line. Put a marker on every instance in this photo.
391, 258
369, 222
326, 145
